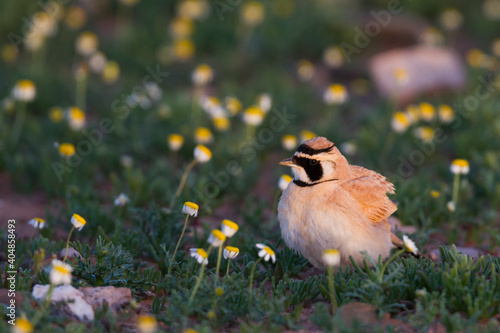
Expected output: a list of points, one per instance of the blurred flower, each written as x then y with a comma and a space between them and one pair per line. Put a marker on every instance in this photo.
76, 118
427, 111
200, 255
491, 9
164, 110
424, 133
7, 104
451, 19
451, 206
446, 113
9, 53
475, 57
348, 148
175, 142
126, 161
153, 90
266, 252
305, 70
121, 200
87, 43
413, 113
331, 257
229, 228
183, 49
253, 116
231, 252
202, 75
66, 149
60, 273
203, 135
76, 17
22, 325
145, 323
333, 56
24, 91
181, 27
221, 123
212, 106
252, 13
219, 291
435, 194
111, 72
401, 76
265, 102
97, 62
190, 208
34, 40
78, 221
44, 23
284, 181
431, 37
410, 245
459, 166
37, 223
202, 154
233, 105
400, 122
306, 135
289, 142
193, 9
335, 94
216, 238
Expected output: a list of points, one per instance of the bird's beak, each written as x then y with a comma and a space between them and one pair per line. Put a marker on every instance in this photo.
287, 162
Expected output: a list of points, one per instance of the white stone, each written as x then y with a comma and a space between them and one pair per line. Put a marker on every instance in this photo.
76, 305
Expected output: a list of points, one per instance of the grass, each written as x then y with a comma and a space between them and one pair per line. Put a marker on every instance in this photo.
123, 149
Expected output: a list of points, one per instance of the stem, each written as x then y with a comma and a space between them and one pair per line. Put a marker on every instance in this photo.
456, 183
389, 142
178, 243
45, 303
200, 277
67, 244
251, 277
195, 104
18, 123
218, 265
81, 92
183, 181
228, 264
397, 254
331, 286
250, 132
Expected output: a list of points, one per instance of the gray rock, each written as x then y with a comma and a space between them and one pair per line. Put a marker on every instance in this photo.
71, 253
428, 70
76, 306
117, 298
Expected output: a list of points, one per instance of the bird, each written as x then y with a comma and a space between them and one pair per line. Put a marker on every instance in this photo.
331, 204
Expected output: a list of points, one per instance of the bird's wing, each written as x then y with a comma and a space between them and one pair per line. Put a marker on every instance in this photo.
370, 193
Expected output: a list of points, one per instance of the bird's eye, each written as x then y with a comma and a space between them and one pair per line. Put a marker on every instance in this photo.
313, 162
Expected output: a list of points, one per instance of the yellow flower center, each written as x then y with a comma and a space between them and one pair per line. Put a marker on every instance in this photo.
230, 224
461, 163
306, 135
176, 138
287, 178
26, 84
203, 132
254, 111
67, 149
80, 219
76, 113
24, 325
289, 137
204, 70
191, 205
39, 220
221, 123
61, 269
427, 109
205, 150
219, 235
219, 291
401, 118
183, 49
435, 194
331, 252
269, 250
232, 249
202, 253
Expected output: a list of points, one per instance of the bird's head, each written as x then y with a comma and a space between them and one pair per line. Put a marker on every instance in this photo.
317, 160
